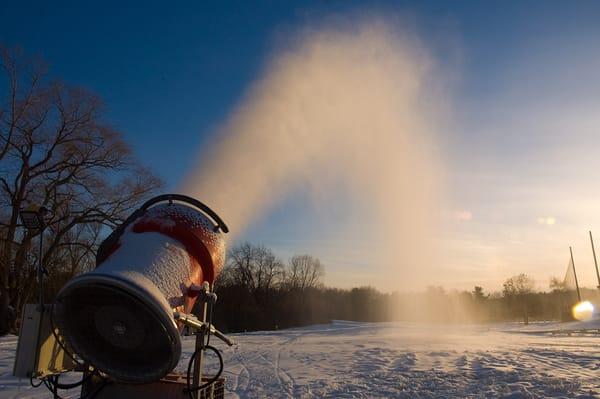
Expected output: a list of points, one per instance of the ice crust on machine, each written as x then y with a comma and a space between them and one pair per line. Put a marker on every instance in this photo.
145, 270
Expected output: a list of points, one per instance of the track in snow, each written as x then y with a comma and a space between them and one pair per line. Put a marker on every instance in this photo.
363, 360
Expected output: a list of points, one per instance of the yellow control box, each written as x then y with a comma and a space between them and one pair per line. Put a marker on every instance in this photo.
38, 352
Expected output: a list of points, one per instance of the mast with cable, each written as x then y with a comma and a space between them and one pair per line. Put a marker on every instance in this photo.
595, 261
575, 275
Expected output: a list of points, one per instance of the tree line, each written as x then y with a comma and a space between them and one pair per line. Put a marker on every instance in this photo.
257, 291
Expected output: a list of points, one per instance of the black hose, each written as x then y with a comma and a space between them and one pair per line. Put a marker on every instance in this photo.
73, 385
200, 387
32, 384
190, 388
51, 382
54, 380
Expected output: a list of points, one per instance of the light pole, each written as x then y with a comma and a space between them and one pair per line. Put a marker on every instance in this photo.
33, 219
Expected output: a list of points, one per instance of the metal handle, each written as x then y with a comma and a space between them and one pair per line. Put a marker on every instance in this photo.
112, 238
191, 201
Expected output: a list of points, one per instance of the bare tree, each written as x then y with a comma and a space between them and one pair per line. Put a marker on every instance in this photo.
562, 294
557, 285
517, 290
478, 294
304, 272
56, 152
254, 267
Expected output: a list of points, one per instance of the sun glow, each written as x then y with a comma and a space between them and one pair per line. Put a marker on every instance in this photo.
583, 311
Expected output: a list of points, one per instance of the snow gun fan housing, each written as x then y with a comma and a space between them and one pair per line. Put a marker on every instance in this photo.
119, 317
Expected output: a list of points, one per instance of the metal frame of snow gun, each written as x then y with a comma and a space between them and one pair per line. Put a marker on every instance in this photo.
194, 323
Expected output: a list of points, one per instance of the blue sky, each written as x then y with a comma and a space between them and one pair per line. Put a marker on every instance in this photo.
519, 148
180, 69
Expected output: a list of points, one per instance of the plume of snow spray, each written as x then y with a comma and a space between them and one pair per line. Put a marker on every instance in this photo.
340, 109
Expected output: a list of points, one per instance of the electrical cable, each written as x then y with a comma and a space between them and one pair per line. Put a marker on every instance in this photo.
55, 386
52, 384
190, 388
32, 384
75, 384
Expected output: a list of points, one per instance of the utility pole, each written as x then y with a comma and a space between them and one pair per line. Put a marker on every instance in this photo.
595, 261
575, 274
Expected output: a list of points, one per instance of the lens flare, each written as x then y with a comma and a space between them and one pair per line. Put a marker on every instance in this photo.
583, 311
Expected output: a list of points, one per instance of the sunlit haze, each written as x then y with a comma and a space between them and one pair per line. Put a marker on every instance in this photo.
404, 146
340, 121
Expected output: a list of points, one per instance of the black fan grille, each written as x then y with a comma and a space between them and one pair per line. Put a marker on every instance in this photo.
115, 332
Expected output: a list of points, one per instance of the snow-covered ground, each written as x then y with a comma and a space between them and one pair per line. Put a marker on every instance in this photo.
364, 360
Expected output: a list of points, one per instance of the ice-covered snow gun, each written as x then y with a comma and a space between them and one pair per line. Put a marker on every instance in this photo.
125, 317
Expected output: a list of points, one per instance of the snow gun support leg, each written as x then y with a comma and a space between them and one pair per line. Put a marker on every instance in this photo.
204, 329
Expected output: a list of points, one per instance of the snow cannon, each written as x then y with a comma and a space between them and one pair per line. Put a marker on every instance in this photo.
119, 318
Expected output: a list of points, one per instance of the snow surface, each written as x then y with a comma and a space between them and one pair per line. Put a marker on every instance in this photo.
371, 360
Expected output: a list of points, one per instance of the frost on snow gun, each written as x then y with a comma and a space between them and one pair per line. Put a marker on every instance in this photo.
121, 323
